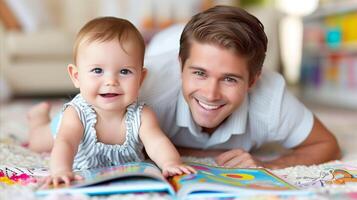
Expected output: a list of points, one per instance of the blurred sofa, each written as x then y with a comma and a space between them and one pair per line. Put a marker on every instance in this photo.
34, 60
35, 63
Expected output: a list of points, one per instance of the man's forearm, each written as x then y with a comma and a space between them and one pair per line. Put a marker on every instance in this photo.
307, 155
320, 146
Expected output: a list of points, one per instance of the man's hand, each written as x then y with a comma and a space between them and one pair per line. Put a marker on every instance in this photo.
237, 158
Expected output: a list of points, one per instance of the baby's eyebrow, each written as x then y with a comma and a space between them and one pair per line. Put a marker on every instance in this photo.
95, 65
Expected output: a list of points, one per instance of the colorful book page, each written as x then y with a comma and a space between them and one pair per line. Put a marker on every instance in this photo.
254, 178
21, 175
92, 176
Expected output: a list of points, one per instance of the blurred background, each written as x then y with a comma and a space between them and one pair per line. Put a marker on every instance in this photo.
312, 43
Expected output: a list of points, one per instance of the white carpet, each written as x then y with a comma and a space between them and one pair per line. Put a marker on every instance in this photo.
13, 133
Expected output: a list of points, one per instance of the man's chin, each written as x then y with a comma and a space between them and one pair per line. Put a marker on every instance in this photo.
206, 124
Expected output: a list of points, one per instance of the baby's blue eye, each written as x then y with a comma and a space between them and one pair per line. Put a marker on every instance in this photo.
97, 70
125, 71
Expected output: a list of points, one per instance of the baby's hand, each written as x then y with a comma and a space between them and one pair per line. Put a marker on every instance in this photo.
177, 169
62, 177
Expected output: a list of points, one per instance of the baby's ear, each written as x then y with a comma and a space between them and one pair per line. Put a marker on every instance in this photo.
144, 72
73, 74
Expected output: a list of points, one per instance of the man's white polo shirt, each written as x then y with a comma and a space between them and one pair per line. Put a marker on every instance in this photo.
270, 113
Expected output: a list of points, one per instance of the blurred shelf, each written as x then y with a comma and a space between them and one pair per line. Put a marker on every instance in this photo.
329, 57
337, 7
324, 50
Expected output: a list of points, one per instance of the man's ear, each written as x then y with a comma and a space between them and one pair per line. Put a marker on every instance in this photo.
181, 64
73, 74
144, 72
254, 80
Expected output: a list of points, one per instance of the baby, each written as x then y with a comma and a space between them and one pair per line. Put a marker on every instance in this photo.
104, 125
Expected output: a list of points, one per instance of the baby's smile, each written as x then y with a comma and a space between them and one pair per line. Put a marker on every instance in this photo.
108, 95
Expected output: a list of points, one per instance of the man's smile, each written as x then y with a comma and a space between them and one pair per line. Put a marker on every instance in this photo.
209, 106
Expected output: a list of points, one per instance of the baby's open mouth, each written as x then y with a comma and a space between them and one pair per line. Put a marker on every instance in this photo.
108, 95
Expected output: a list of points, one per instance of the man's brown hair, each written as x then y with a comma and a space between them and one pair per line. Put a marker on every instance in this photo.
108, 28
229, 27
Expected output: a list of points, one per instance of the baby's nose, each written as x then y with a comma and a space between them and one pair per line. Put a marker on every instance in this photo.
111, 81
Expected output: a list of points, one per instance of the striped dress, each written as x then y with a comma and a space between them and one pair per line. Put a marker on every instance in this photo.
93, 153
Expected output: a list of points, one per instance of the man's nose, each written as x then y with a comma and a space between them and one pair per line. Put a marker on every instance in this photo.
212, 91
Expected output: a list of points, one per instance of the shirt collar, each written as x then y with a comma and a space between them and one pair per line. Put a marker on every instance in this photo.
184, 117
235, 124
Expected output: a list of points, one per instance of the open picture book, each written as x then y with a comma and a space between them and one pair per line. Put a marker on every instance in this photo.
208, 182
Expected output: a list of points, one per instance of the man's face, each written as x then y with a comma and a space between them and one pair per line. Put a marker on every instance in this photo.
215, 82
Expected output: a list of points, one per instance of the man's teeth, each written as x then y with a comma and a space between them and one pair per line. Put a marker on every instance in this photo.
208, 107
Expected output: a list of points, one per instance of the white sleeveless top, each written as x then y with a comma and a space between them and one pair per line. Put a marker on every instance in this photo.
93, 153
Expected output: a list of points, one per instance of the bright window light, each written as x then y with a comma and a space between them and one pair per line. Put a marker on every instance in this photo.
297, 7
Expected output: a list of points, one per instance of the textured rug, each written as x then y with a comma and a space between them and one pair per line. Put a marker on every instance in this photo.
320, 178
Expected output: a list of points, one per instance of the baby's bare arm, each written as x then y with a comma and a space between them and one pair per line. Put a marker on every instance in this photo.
159, 147
65, 147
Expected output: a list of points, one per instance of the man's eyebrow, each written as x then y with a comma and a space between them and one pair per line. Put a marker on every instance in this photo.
234, 75
238, 76
194, 67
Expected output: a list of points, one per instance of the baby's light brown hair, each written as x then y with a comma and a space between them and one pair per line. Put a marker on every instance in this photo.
106, 29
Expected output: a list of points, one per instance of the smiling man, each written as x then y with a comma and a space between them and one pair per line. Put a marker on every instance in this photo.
226, 105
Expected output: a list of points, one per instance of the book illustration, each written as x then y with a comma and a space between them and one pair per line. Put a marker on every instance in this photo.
341, 173
337, 174
21, 175
341, 176
233, 179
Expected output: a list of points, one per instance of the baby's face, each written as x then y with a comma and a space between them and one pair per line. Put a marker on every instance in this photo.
109, 77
